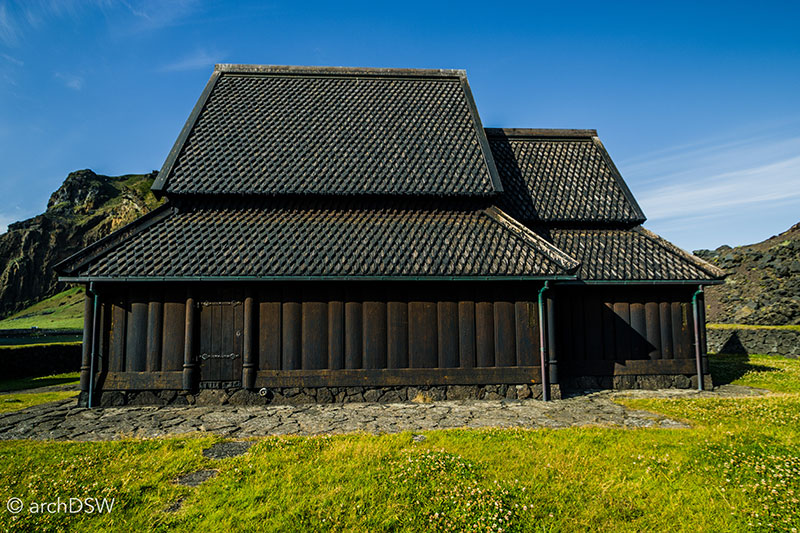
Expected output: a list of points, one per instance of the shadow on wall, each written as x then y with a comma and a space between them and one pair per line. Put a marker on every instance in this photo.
733, 345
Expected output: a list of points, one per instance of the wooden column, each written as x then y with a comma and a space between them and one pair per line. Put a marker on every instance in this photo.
701, 311
653, 328
249, 365
189, 365
155, 328
88, 334
397, 334
552, 351
447, 325
335, 332
665, 321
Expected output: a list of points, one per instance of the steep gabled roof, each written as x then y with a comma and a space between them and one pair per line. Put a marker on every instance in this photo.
634, 254
268, 130
313, 239
560, 176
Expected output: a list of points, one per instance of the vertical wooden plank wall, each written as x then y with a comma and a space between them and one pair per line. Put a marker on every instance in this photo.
289, 328
336, 330
291, 333
397, 334
269, 329
624, 324
422, 335
88, 334
371, 328
374, 324
141, 331
447, 326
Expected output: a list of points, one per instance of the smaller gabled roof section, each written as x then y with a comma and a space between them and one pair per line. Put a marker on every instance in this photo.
560, 176
272, 130
625, 255
302, 239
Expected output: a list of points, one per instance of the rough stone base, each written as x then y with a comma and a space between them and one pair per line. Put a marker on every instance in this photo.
646, 382
772, 341
297, 395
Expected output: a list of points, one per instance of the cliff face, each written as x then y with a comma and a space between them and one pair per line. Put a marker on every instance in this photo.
85, 208
763, 283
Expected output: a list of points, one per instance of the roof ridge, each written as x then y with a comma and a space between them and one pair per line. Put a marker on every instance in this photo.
300, 70
619, 179
542, 133
565, 261
702, 264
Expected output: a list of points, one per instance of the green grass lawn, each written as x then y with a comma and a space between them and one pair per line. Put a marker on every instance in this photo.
736, 469
21, 400
62, 311
32, 383
24, 393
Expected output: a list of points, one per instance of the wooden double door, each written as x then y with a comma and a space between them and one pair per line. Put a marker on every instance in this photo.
221, 343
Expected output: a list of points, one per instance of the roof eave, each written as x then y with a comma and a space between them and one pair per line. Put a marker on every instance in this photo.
129, 279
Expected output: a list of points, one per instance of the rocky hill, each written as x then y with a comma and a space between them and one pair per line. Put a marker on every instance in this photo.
763, 283
86, 207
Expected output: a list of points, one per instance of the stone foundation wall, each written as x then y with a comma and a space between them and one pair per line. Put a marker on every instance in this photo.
646, 382
785, 342
296, 395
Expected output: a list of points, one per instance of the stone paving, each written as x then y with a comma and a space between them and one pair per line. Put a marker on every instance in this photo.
63, 420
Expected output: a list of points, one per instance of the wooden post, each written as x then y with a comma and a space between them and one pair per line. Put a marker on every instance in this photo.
249, 366
701, 309
551, 338
189, 364
155, 328
88, 335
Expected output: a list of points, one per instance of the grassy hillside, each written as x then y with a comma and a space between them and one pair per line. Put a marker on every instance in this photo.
736, 469
62, 311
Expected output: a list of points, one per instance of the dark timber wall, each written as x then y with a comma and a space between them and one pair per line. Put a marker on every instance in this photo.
307, 334
633, 330
383, 334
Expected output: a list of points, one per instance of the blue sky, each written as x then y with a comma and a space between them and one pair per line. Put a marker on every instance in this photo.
698, 103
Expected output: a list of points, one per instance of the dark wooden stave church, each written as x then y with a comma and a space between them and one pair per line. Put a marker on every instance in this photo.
333, 231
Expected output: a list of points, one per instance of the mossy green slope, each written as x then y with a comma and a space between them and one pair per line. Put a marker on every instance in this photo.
62, 311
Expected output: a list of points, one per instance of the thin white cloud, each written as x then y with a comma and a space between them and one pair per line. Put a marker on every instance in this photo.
157, 14
13, 60
742, 174
732, 190
9, 30
72, 81
129, 17
200, 59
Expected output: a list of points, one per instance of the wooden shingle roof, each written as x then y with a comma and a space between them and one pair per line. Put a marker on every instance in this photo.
343, 173
629, 254
321, 239
260, 130
560, 176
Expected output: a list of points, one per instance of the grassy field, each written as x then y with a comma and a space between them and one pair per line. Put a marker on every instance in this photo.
736, 469
62, 311
24, 392
33, 383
